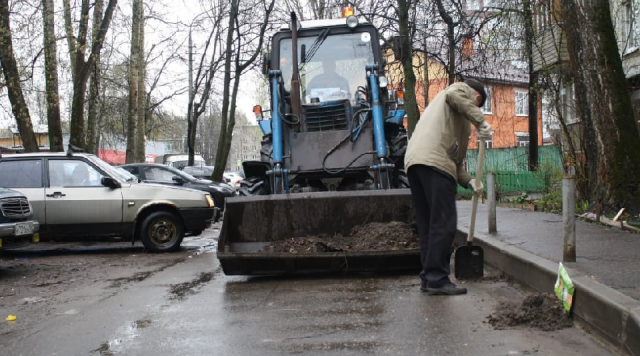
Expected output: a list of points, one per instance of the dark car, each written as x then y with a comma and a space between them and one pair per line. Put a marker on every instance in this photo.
16, 224
162, 174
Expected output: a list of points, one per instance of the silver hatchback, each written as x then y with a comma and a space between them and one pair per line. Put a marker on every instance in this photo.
79, 195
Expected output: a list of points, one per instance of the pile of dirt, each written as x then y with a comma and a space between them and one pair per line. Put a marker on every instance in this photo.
392, 236
540, 311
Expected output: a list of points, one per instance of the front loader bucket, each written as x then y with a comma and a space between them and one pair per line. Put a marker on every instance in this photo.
252, 223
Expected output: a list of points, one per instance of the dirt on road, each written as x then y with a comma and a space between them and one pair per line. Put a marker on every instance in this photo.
539, 311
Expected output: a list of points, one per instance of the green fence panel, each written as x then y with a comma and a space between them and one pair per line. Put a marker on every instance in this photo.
511, 166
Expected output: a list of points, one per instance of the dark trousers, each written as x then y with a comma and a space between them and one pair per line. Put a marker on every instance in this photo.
434, 202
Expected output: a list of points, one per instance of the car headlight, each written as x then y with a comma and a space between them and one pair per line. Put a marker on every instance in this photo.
209, 200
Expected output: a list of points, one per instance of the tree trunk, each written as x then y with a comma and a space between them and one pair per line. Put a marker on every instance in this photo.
71, 42
83, 69
51, 77
533, 84
425, 76
142, 100
132, 121
604, 105
12, 78
221, 157
410, 103
94, 87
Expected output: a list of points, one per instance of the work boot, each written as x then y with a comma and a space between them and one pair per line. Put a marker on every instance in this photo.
447, 289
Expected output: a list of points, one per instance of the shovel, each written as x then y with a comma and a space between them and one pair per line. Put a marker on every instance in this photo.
469, 259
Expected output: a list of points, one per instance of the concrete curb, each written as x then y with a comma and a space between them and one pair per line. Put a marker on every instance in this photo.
601, 309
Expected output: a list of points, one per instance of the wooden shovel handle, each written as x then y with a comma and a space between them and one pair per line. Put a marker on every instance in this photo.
474, 199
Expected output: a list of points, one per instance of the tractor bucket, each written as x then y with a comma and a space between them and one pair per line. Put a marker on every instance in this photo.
252, 223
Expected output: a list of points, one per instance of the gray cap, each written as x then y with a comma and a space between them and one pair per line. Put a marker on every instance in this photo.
479, 87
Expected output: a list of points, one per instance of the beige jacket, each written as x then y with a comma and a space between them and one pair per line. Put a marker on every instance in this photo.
441, 137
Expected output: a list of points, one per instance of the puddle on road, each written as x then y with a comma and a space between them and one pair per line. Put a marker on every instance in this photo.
201, 244
125, 335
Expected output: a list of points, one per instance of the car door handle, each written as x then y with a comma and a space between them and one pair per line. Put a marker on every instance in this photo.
56, 195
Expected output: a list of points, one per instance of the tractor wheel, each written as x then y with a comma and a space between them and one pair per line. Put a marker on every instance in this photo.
397, 141
254, 186
400, 179
266, 152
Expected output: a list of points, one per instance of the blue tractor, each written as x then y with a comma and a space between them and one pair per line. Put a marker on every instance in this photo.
335, 140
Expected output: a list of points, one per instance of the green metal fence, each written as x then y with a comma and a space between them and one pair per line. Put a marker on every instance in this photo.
511, 168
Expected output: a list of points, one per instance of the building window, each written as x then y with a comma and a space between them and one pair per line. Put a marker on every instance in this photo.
629, 30
522, 103
486, 108
488, 143
522, 140
473, 4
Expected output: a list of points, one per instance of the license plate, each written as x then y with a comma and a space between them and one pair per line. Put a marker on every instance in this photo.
23, 229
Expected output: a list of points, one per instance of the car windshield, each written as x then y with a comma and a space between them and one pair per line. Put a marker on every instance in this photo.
334, 68
111, 170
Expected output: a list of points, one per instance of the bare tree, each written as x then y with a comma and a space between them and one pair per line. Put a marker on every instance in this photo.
613, 152
12, 78
210, 62
132, 122
82, 67
142, 108
94, 86
51, 77
237, 55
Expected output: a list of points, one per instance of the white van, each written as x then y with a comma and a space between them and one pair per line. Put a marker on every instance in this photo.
180, 160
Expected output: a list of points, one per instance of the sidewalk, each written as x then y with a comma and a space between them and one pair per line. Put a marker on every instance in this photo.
528, 247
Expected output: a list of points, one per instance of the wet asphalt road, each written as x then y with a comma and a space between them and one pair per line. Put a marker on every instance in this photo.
189, 307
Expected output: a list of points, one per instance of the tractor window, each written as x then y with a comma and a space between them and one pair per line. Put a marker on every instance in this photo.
333, 70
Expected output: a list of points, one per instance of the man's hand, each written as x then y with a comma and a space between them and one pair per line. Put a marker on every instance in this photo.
476, 186
484, 131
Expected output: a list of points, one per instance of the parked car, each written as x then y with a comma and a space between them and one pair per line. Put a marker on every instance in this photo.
203, 172
161, 174
233, 179
79, 195
179, 160
17, 227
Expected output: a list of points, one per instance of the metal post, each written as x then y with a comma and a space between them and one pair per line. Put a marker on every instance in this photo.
569, 218
491, 197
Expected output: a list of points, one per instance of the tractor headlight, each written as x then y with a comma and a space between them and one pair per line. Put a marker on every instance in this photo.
352, 21
383, 81
209, 200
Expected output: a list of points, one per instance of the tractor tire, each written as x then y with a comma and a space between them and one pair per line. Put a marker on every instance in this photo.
266, 152
400, 179
161, 231
397, 141
254, 186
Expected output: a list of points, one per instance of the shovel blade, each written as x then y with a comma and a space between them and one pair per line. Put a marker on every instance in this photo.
469, 262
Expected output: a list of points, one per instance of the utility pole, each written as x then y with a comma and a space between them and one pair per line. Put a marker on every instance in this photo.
190, 106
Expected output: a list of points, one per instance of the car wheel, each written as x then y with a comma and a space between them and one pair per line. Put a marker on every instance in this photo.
161, 231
